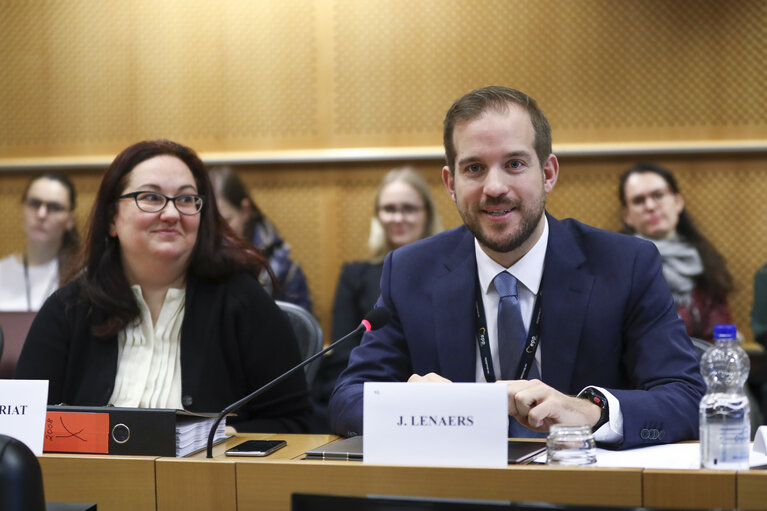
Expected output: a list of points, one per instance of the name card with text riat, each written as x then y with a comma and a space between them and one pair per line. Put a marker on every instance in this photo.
450, 424
22, 411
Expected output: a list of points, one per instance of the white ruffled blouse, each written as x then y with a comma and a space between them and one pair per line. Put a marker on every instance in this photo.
149, 356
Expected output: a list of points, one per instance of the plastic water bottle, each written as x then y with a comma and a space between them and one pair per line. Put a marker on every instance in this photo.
725, 415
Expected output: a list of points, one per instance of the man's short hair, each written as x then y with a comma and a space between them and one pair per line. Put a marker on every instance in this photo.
475, 103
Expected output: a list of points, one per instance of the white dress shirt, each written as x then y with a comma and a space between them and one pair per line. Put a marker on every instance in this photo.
528, 271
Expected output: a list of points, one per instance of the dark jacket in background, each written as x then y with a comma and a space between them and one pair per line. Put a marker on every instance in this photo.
292, 281
356, 294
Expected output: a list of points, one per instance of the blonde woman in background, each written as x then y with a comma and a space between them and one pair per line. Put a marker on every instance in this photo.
403, 212
50, 228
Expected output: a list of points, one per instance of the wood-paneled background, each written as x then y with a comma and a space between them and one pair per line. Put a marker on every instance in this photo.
288, 91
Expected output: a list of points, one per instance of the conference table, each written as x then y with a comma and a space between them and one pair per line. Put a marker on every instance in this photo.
227, 483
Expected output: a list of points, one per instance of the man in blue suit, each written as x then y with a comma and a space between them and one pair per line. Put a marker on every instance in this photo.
602, 344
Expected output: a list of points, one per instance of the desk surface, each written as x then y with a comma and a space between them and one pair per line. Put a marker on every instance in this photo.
225, 483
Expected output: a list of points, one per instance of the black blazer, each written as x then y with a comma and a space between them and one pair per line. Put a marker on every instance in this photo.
234, 339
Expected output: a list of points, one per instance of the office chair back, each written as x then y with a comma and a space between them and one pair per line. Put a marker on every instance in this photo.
21, 480
308, 334
15, 326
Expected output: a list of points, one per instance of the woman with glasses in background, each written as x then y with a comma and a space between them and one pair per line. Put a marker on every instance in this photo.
50, 229
403, 212
167, 311
653, 208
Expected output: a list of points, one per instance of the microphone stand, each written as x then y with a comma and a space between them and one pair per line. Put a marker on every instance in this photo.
236, 406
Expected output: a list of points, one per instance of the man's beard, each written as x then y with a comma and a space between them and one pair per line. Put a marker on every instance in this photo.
529, 220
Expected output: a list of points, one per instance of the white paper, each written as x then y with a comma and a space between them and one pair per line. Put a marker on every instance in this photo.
23, 405
760, 440
681, 456
440, 424
670, 456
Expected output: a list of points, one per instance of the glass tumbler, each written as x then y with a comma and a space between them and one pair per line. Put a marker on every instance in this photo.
570, 445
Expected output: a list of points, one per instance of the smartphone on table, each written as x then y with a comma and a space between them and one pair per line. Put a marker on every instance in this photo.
256, 448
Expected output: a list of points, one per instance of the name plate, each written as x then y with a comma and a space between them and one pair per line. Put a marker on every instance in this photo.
22, 411
442, 424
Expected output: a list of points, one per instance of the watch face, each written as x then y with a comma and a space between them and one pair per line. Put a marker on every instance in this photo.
596, 397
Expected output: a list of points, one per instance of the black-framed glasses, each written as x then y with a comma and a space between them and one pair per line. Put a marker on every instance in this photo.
152, 202
51, 206
655, 195
406, 210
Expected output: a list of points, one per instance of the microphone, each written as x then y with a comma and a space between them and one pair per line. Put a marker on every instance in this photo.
374, 320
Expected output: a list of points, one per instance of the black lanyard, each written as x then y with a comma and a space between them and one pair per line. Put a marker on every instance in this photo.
528, 354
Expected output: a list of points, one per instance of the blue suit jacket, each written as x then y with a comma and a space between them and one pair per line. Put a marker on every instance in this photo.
608, 319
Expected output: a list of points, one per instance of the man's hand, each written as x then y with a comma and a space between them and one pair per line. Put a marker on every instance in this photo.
427, 378
537, 406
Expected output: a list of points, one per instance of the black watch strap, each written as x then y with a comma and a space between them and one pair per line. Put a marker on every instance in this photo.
596, 397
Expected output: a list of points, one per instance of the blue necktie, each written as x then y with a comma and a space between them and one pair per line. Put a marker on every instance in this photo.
511, 329
512, 337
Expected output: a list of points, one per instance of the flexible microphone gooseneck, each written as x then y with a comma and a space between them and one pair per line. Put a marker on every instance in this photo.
374, 320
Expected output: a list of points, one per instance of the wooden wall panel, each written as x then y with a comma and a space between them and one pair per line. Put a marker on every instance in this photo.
84, 78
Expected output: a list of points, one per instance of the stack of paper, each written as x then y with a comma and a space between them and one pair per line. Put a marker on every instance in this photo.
192, 433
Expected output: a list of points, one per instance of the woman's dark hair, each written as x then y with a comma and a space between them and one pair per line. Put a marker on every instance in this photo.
227, 185
715, 277
70, 241
217, 253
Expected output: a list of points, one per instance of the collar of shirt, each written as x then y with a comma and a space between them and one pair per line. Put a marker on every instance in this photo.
528, 272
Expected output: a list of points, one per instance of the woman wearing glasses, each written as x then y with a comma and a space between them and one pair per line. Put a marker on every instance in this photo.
653, 208
28, 278
167, 311
403, 212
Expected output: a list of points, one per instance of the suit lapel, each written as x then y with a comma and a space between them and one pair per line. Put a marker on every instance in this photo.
453, 316
566, 288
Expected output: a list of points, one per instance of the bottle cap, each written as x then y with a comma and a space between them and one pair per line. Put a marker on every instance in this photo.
725, 332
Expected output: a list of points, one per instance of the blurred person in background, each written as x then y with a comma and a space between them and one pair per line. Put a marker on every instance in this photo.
248, 221
757, 379
653, 208
167, 310
50, 229
759, 307
403, 212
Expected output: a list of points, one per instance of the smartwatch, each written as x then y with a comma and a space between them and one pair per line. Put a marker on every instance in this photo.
593, 395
